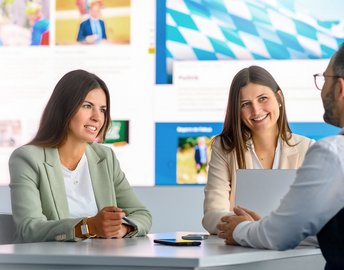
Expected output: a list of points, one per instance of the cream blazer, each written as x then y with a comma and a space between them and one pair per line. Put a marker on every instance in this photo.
219, 199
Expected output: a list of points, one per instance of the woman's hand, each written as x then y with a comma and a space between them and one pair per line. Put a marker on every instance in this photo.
255, 216
228, 223
108, 223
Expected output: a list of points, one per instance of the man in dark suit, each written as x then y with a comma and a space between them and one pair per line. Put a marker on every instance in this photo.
201, 157
92, 30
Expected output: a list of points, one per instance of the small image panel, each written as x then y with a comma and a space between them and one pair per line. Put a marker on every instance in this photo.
118, 133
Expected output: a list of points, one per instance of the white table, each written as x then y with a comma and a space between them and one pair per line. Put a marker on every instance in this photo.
142, 253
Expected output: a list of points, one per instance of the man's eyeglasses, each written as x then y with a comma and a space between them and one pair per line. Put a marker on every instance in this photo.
319, 79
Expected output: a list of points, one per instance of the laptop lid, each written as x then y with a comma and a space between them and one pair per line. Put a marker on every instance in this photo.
261, 190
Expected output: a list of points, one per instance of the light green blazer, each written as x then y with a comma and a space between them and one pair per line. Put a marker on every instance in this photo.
39, 200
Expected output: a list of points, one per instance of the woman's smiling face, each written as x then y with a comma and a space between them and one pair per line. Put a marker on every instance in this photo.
259, 107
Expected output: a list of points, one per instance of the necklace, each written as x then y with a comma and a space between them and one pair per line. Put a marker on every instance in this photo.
69, 165
71, 175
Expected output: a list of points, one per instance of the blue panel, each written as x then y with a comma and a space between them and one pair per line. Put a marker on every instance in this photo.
259, 13
204, 55
174, 34
168, 134
314, 130
199, 9
328, 24
244, 25
276, 51
232, 21
166, 146
221, 47
232, 36
160, 57
327, 52
223, 19
305, 29
181, 19
340, 41
259, 57
290, 41
267, 32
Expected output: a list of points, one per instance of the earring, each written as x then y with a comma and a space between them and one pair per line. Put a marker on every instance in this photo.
280, 105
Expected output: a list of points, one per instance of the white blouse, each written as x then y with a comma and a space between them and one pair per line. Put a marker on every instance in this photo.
80, 195
256, 162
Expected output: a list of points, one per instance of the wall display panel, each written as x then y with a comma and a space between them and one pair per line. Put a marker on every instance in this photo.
246, 29
201, 45
178, 160
29, 73
125, 61
24, 23
200, 92
176, 157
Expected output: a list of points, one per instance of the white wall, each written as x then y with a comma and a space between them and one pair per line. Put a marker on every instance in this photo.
173, 208
5, 200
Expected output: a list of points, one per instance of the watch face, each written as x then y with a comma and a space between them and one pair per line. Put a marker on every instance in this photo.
84, 229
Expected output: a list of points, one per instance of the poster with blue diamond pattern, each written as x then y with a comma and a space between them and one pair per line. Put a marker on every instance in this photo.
202, 44
245, 30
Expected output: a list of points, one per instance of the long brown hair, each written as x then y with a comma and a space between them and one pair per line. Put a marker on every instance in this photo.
67, 97
235, 133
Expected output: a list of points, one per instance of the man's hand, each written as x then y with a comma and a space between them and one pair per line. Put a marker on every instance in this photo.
228, 223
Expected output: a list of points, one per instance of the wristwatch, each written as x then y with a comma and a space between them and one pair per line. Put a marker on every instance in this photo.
84, 229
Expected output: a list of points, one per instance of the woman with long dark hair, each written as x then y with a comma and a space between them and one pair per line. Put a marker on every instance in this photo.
64, 185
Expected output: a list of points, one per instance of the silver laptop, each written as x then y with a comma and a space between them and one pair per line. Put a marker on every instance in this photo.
261, 190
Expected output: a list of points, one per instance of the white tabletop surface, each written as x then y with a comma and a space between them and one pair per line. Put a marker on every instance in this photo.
141, 251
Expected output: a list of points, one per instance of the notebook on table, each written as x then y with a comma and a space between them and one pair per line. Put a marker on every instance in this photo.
262, 190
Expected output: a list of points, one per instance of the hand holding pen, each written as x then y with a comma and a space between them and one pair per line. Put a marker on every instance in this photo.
108, 223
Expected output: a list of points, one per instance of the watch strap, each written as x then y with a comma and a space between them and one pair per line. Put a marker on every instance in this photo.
85, 230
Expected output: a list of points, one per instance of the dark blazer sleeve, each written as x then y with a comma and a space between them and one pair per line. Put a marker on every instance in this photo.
102, 25
197, 155
84, 30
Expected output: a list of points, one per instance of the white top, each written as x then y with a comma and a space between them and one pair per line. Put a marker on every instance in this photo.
316, 195
79, 190
256, 162
96, 28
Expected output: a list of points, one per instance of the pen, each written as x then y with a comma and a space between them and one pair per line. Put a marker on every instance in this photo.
127, 220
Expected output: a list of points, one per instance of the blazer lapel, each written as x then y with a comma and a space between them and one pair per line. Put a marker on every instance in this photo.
233, 161
289, 156
55, 178
248, 159
101, 180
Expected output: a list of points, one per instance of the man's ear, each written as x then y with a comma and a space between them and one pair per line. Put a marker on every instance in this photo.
341, 87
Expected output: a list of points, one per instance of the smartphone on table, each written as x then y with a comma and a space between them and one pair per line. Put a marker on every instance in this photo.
177, 242
195, 236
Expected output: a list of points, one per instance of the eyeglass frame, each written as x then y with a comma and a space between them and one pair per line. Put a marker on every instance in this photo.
319, 75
